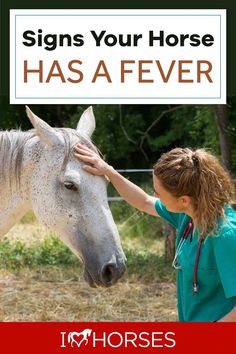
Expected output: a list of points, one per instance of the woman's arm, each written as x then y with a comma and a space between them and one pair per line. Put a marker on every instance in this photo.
133, 195
230, 317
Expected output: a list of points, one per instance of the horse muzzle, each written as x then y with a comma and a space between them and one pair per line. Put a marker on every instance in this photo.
108, 274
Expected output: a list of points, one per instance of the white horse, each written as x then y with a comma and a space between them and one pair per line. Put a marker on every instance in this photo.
38, 171
84, 334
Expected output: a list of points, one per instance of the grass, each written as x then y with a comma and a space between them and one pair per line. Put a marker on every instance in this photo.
41, 280
29, 244
52, 293
50, 252
144, 264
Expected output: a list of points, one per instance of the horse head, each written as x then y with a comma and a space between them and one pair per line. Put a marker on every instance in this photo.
73, 202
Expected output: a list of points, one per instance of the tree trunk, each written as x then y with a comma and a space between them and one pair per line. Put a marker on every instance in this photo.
170, 235
59, 117
222, 122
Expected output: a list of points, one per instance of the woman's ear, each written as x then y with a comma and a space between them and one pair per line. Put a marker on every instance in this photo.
185, 201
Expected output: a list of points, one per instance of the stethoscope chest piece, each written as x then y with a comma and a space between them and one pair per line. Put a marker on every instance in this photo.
195, 288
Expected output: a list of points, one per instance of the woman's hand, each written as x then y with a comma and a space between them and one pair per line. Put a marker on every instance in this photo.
94, 163
134, 195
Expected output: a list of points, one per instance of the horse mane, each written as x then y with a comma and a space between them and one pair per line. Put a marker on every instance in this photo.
67, 133
12, 145
11, 154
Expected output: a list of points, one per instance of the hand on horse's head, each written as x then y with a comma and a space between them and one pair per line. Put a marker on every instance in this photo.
94, 164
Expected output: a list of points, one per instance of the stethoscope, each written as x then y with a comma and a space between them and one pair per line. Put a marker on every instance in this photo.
188, 231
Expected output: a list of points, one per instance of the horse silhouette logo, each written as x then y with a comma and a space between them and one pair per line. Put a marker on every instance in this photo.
84, 334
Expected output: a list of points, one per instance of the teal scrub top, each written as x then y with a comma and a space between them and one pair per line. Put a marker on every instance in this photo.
216, 273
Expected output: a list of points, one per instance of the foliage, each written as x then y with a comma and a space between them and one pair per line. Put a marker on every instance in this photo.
134, 136
144, 263
28, 218
141, 237
232, 129
50, 252
147, 265
133, 224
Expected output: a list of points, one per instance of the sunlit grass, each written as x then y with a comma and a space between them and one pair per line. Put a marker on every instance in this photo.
30, 244
41, 280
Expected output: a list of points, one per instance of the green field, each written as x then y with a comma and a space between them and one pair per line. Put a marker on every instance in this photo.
41, 280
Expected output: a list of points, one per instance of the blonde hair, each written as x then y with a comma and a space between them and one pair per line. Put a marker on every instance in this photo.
198, 174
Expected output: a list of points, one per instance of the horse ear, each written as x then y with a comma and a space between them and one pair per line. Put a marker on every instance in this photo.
87, 124
46, 133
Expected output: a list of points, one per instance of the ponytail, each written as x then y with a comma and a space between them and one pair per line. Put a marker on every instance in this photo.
199, 175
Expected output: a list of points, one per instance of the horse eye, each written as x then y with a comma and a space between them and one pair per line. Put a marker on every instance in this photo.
70, 185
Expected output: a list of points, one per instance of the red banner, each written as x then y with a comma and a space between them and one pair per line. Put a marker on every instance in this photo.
116, 337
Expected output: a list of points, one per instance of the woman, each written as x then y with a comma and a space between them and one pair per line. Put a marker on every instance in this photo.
192, 193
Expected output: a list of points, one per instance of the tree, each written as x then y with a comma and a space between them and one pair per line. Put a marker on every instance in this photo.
222, 123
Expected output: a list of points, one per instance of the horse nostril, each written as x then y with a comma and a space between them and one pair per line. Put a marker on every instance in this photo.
109, 274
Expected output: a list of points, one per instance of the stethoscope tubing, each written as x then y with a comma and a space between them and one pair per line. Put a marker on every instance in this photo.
188, 231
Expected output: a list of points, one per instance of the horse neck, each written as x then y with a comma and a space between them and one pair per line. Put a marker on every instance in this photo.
15, 170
